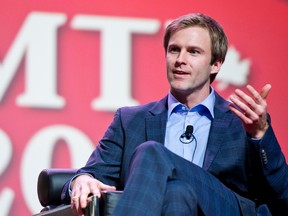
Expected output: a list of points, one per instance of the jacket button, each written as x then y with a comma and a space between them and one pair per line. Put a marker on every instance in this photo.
264, 156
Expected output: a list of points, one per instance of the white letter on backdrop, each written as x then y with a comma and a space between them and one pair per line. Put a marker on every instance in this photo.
38, 39
38, 154
115, 86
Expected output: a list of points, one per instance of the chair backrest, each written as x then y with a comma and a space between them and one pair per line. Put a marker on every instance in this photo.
50, 184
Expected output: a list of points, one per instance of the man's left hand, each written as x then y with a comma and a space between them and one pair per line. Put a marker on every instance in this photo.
251, 108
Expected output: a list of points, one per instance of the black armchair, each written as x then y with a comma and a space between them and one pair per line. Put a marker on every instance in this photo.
49, 187
51, 181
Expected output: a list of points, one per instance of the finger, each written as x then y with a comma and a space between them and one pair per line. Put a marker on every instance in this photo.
245, 98
260, 99
265, 91
255, 94
256, 105
249, 109
103, 186
240, 114
246, 105
79, 197
262, 95
75, 195
75, 205
83, 201
86, 191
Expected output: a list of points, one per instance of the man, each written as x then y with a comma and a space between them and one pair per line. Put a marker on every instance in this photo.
191, 153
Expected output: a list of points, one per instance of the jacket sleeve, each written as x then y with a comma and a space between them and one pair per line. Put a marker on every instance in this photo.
269, 175
104, 163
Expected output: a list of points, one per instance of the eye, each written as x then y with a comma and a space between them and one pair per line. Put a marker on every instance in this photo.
194, 51
173, 49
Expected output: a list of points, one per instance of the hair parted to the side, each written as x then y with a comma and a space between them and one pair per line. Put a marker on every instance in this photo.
219, 41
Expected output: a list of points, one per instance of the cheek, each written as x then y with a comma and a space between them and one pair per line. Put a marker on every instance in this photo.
168, 66
169, 60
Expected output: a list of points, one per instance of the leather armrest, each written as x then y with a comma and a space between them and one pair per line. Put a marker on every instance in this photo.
96, 207
50, 183
108, 201
103, 206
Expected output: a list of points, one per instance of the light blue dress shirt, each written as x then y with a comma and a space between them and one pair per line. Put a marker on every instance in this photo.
200, 117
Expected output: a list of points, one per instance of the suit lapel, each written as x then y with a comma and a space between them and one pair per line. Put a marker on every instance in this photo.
219, 126
156, 121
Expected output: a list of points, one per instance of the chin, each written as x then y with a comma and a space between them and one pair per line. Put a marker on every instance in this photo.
182, 90
179, 86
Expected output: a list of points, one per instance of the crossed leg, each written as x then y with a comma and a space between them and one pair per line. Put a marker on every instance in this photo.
162, 183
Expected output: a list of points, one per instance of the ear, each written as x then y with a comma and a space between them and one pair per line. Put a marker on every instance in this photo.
215, 67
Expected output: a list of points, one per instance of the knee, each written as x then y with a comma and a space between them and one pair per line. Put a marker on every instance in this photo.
151, 152
153, 156
149, 147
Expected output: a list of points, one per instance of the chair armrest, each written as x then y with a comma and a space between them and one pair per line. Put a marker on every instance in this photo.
49, 188
50, 183
62, 210
108, 201
96, 207
103, 206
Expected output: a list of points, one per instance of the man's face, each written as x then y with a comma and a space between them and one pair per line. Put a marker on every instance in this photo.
188, 62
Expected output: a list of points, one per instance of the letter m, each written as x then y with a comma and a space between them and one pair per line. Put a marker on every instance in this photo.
37, 41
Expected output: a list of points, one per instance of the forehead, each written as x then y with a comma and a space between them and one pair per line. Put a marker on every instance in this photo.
193, 36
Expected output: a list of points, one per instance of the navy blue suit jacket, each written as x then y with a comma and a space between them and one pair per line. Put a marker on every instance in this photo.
252, 169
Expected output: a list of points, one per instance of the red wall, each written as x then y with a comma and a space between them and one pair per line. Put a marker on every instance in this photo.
57, 87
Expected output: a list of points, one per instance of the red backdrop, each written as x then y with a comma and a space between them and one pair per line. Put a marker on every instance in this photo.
65, 66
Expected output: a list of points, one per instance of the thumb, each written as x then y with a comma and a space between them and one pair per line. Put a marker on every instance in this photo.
103, 186
265, 91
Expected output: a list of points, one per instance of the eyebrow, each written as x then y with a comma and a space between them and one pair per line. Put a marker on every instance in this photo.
189, 47
197, 48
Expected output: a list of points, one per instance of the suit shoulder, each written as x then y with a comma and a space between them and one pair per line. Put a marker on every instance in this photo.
155, 106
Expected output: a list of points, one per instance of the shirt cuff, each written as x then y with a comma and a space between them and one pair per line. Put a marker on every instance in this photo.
254, 139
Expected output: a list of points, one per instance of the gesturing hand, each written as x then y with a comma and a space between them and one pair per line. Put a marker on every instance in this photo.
251, 108
82, 186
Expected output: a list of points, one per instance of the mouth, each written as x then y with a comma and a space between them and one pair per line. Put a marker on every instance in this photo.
180, 73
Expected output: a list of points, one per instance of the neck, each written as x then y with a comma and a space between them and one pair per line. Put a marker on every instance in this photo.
191, 99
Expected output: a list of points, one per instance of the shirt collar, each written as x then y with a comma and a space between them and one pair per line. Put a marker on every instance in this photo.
208, 105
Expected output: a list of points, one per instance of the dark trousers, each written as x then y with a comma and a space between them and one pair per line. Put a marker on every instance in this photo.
162, 183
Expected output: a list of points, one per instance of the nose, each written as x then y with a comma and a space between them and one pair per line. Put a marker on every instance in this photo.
181, 58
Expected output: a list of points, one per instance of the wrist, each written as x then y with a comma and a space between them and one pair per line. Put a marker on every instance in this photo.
260, 133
